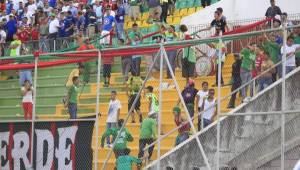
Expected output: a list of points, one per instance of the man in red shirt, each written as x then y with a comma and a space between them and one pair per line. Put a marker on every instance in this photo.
184, 131
35, 36
23, 34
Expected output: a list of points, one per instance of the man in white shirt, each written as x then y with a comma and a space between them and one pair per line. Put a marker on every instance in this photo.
53, 30
32, 7
209, 108
113, 113
291, 50
201, 95
2, 40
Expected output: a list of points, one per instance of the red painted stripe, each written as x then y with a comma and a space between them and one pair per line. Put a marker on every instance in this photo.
73, 150
53, 131
10, 145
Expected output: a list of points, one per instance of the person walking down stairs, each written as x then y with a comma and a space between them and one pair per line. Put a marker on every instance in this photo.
133, 86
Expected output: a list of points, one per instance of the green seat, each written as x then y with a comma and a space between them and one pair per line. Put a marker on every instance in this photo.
197, 3
180, 4
189, 4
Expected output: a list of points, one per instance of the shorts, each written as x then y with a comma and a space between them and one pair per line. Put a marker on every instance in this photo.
106, 70
105, 40
188, 68
131, 100
156, 11
134, 12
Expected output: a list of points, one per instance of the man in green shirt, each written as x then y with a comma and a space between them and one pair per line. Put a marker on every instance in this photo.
15, 46
124, 162
248, 64
133, 86
153, 102
120, 147
296, 33
148, 135
71, 100
133, 33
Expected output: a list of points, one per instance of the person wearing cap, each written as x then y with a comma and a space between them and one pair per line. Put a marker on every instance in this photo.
184, 130
148, 134
108, 26
189, 94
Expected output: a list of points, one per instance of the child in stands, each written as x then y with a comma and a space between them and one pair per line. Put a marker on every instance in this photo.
27, 93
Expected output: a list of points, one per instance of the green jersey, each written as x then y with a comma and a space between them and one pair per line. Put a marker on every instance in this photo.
148, 129
132, 35
124, 137
73, 93
190, 54
15, 51
272, 49
249, 57
125, 162
297, 41
154, 102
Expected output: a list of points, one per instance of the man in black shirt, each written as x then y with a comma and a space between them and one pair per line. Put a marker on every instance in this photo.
218, 23
236, 79
273, 10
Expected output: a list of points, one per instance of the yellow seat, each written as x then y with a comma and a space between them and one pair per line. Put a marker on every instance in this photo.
176, 13
191, 11
199, 8
129, 24
176, 20
183, 12
127, 18
145, 16
170, 20
144, 24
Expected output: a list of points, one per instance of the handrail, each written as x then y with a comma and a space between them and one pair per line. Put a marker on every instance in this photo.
222, 99
178, 43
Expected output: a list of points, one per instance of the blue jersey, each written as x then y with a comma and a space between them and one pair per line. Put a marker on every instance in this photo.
108, 23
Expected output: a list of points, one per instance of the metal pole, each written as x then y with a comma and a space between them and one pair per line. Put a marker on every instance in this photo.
185, 109
219, 102
160, 104
36, 58
283, 100
130, 110
97, 111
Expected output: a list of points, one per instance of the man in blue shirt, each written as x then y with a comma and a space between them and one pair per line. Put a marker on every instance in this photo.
108, 26
90, 20
120, 20
11, 27
69, 23
9, 7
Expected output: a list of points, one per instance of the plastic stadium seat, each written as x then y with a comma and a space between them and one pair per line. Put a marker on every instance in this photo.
181, 5
144, 23
197, 3
190, 4
176, 20
199, 8
183, 12
176, 13
139, 23
145, 16
170, 20
191, 11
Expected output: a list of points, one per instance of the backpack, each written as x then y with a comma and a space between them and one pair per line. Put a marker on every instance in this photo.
135, 84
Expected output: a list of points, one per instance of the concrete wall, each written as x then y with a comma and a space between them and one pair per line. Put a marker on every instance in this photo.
247, 142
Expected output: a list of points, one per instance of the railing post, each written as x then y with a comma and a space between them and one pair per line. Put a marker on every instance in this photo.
219, 102
283, 98
97, 111
160, 104
36, 58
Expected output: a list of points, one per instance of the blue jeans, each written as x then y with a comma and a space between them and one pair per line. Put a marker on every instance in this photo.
246, 78
110, 125
264, 82
72, 110
172, 58
136, 66
25, 75
181, 138
120, 29
289, 69
206, 122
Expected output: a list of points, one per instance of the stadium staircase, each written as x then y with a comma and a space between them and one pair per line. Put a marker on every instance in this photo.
247, 142
51, 90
